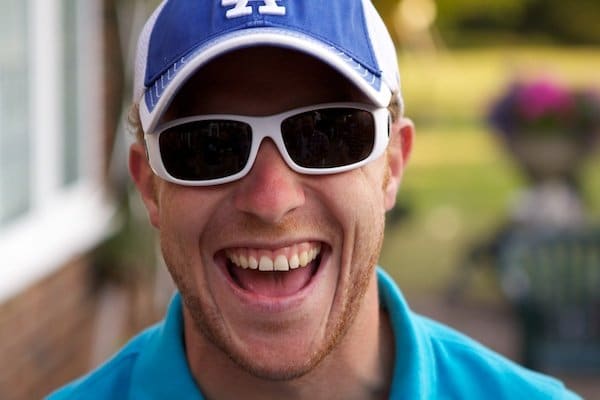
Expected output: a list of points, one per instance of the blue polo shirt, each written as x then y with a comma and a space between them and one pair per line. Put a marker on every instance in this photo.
432, 362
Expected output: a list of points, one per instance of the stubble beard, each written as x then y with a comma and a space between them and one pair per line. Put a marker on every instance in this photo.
208, 323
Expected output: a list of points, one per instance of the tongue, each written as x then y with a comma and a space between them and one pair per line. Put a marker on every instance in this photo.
274, 284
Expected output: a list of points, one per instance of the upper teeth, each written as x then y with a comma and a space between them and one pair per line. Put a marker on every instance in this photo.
292, 257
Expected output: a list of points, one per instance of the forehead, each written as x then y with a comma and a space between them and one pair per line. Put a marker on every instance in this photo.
260, 81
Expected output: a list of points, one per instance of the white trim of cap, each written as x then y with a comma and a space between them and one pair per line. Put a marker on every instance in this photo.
264, 37
383, 47
142, 53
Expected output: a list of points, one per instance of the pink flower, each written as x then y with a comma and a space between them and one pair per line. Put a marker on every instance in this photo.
544, 98
543, 107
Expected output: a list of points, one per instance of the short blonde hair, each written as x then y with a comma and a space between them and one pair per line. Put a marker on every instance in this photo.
395, 107
134, 124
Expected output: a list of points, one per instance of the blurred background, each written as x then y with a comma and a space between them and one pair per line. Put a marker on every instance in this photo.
496, 228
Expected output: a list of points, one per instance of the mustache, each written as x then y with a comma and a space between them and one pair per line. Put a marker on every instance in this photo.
250, 226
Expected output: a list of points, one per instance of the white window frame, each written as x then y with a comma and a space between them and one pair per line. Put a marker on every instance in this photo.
63, 221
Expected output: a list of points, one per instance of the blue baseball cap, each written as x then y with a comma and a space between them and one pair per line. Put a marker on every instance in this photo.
183, 35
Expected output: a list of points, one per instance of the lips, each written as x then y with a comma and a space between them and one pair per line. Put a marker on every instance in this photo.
274, 273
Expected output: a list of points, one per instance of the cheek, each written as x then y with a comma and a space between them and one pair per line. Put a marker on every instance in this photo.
369, 204
178, 232
185, 209
176, 215
363, 190
357, 200
185, 214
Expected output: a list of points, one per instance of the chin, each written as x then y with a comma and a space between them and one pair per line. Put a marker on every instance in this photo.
277, 370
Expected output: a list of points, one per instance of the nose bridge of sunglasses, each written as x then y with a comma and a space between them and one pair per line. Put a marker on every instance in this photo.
268, 130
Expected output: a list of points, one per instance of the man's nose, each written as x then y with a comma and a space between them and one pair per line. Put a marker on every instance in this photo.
271, 189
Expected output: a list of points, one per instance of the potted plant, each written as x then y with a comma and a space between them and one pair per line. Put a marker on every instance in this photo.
548, 127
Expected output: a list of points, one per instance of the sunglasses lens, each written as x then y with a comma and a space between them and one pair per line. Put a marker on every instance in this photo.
329, 138
204, 150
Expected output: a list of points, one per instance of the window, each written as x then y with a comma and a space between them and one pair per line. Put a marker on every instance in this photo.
52, 202
15, 173
71, 98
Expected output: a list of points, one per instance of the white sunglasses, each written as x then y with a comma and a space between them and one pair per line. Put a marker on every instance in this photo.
215, 149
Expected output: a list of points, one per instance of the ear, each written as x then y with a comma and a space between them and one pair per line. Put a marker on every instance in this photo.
145, 181
398, 153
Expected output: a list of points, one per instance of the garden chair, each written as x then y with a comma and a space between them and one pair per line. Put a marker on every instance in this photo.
553, 280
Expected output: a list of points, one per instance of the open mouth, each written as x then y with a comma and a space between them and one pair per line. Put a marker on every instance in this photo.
274, 273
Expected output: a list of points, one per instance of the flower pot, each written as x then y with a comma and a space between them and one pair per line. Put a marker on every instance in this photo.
547, 157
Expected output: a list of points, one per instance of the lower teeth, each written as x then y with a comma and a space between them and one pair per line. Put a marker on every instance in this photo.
273, 283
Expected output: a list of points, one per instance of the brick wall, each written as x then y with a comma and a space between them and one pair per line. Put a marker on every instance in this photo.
70, 322
46, 333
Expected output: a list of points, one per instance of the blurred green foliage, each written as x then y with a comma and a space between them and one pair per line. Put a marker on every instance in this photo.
461, 182
476, 22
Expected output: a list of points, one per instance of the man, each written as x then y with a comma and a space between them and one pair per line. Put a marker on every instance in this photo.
270, 143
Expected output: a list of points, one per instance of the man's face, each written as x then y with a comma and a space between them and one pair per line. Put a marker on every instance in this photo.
275, 325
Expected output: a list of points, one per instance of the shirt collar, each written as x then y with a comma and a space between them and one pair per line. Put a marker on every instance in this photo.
413, 376
162, 371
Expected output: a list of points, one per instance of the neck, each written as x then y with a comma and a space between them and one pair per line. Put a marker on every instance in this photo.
360, 367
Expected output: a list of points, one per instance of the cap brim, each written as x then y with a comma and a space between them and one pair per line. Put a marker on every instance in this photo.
158, 97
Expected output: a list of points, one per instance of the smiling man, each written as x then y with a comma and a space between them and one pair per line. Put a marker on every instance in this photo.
270, 144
